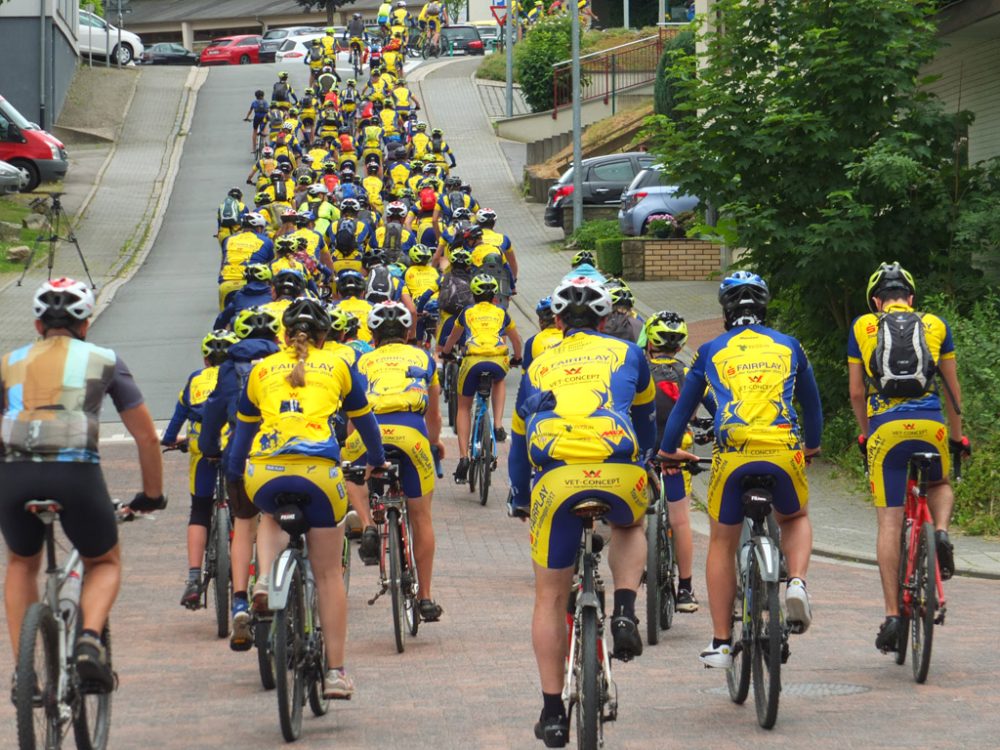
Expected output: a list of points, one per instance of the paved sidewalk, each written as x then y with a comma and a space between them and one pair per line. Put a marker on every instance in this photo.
114, 227
843, 518
493, 95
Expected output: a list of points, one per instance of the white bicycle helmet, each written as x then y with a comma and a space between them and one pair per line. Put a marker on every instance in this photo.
255, 219
318, 189
63, 301
389, 312
486, 216
581, 295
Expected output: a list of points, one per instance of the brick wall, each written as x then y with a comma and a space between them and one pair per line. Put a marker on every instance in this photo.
669, 260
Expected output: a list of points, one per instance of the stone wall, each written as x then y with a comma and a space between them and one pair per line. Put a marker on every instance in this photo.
670, 260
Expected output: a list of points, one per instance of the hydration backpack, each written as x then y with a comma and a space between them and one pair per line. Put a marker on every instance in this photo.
622, 325
280, 92
280, 192
454, 294
428, 199
456, 199
668, 379
436, 144
901, 365
229, 214
392, 241
346, 239
380, 287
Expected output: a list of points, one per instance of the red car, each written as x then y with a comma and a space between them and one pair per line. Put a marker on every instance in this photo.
232, 50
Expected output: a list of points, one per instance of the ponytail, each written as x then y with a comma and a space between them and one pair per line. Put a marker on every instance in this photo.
301, 341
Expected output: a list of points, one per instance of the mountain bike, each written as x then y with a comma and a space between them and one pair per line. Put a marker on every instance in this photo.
922, 603
591, 693
761, 645
296, 638
397, 567
48, 694
482, 440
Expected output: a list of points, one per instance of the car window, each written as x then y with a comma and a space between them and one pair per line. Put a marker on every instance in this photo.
220, 42
648, 178
288, 44
252, 42
615, 171
178, 48
276, 34
463, 34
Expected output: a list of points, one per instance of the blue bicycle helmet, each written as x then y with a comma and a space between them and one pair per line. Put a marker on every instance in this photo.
744, 297
544, 307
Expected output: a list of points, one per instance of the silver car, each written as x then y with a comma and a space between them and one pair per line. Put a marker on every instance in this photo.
648, 195
12, 179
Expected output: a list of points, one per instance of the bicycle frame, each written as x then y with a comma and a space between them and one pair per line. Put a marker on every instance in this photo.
482, 420
916, 512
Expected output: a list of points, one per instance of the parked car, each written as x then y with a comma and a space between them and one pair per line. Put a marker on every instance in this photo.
12, 179
168, 53
26, 146
273, 39
604, 179
462, 39
650, 194
242, 49
489, 31
97, 37
293, 49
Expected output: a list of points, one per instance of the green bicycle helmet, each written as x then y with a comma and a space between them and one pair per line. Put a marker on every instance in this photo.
257, 272
216, 344
484, 285
666, 330
420, 254
256, 323
889, 276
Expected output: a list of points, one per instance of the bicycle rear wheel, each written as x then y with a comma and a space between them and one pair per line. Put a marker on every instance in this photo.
221, 580
346, 562
766, 650
452, 373
485, 461
399, 623
37, 680
924, 602
289, 646
265, 655
905, 586
316, 669
588, 686
738, 675
92, 720
653, 593
412, 581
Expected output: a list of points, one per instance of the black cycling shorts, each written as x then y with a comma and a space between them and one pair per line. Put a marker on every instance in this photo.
88, 518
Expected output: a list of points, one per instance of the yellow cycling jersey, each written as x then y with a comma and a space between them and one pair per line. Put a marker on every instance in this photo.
861, 344
313, 240
402, 97
360, 309
486, 325
347, 353
320, 156
421, 143
237, 250
195, 392
397, 378
482, 251
373, 186
329, 45
544, 339
399, 173
419, 279
297, 420
389, 122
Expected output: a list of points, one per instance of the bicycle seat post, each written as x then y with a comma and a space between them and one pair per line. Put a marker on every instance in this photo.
46, 511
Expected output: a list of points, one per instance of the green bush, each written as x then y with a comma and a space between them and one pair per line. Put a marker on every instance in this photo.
494, 67
586, 235
548, 43
667, 74
609, 255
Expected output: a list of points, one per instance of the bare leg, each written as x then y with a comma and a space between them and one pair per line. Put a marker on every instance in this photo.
241, 550
463, 423
941, 500
890, 527
270, 541
419, 510
101, 580
358, 497
720, 575
796, 542
498, 398
197, 538
325, 547
548, 625
627, 556
20, 591
679, 513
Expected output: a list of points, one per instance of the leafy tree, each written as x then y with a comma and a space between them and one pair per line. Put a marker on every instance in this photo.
680, 48
548, 42
806, 126
328, 5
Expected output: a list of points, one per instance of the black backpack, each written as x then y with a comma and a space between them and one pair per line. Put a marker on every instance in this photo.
454, 294
380, 286
346, 239
229, 214
392, 241
668, 379
280, 192
280, 92
901, 365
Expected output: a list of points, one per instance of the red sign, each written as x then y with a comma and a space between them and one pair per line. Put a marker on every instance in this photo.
499, 13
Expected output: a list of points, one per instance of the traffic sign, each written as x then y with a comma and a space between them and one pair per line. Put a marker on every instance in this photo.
501, 17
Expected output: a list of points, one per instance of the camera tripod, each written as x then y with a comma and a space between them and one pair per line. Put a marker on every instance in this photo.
55, 217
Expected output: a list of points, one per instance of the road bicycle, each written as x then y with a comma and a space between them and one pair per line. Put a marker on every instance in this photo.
449, 385
48, 694
922, 603
356, 58
482, 440
296, 638
427, 46
761, 640
397, 566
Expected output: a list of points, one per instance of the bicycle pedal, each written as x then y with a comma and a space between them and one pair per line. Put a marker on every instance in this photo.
785, 653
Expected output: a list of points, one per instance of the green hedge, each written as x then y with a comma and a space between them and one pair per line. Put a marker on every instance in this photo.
609, 256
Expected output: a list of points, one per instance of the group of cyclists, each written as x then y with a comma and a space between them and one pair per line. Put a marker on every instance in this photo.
361, 262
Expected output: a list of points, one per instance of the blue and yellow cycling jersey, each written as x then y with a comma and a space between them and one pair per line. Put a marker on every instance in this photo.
359, 308
486, 325
190, 405
420, 279
752, 373
586, 400
861, 343
297, 420
236, 252
544, 339
397, 378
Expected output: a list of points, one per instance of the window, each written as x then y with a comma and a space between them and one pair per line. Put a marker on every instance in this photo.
615, 171
649, 178
251, 42
276, 34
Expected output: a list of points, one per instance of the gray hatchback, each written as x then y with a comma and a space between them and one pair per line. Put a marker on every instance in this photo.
648, 195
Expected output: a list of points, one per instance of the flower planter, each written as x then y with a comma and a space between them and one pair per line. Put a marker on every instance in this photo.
670, 259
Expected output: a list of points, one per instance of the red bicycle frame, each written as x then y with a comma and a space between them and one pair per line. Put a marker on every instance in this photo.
916, 513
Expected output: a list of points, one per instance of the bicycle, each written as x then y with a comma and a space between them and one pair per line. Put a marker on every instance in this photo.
48, 693
922, 603
355, 58
762, 644
397, 567
295, 637
482, 440
449, 385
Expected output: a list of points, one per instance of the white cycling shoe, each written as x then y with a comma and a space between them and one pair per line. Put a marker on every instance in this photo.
798, 613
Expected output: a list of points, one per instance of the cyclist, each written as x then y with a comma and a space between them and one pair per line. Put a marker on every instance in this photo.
404, 392
624, 322
432, 16
284, 442
488, 325
585, 402
230, 214
383, 16
351, 290
237, 250
282, 93
892, 428
455, 292
549, 333
486, 219
400, 18
349, 100
420, 142
666, 333
392, 237
256, 291
329, 42
51, 393
258, 111
584, 264
314, 59
327, 82
355, 32
201, 473
452, 234
373, 186
753, 373
262, 168
257, 331
350, 236
439, 149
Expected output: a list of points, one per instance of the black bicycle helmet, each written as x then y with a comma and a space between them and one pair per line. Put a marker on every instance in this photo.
744, 297
889, 276
306, 315
288, 283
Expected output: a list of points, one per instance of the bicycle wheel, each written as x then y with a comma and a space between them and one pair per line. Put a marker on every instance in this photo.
905, 586
452, 393
766, 650
346, 562
265, 655
412, 581
668, 574
92, 720
588, 687
485, 460
289, 646
317, 652
399, 623
475, 447
738, 675
37, 680
924, 603
221, 579
653, 601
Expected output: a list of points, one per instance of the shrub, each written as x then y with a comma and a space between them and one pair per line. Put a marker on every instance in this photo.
609, 256
586, 236
664, 97
548, 43
494, 67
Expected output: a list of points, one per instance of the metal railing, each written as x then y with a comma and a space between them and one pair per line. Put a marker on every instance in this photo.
609, 72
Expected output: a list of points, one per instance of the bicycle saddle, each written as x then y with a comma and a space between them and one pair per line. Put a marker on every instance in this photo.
290, 514
590, 508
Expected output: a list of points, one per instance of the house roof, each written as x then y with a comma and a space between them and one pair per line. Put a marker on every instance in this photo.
176, 11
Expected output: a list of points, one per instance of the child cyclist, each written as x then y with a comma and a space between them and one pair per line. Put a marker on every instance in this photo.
201, 382
258, 110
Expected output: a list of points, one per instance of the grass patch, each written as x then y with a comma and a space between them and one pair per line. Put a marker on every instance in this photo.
493, 67
12, 209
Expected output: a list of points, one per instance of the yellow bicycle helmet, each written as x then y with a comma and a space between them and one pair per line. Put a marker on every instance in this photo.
340, 320
460, 256
215, 345
666, 330
255, 323
483, 285
889, 276
257, 272
420, 254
